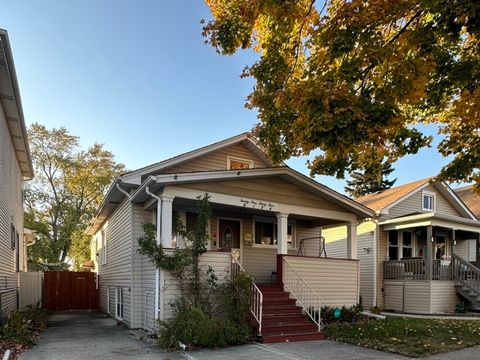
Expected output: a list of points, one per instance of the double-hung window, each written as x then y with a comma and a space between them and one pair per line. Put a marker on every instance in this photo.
428, 201
266, 233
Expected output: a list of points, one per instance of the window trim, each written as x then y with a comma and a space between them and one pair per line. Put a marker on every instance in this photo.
230, 158
103, 249
434, 200
261, 219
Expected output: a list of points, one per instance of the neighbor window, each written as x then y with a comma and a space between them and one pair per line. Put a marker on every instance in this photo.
17, 251
103, 250
407, 244
119, 303
428, 201
393, 245
266, 233
238, 163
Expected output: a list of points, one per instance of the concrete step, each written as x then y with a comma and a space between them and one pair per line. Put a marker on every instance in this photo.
292, 328
278, 338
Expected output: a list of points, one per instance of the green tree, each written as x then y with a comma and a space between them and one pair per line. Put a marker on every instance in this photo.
62, 198
371, 180
354, 77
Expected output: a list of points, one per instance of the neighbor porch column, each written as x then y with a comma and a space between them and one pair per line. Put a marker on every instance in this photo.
352, 240
166, 228
429, 254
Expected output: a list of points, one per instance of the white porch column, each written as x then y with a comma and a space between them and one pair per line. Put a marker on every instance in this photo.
166, 228
352, 240
282, 234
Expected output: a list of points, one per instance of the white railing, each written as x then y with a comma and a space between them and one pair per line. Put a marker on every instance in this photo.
256, 305
305, 295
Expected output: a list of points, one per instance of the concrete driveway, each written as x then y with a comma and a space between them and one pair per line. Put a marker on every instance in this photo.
85, 335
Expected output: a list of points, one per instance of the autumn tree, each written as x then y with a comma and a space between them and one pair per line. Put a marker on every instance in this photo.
373, 179
350, 78
69, 185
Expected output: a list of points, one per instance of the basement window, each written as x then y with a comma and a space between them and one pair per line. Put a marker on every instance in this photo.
119, 303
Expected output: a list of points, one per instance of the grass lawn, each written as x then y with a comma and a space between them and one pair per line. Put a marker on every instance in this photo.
407, 336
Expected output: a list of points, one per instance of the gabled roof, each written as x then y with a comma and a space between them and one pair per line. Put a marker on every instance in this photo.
12, 106
470, 198
245, 138
381, 200
384, 200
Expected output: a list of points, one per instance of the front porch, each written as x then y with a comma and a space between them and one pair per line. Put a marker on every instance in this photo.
424, 273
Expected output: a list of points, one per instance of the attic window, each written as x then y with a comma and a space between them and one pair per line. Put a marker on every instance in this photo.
234, 163
428, 201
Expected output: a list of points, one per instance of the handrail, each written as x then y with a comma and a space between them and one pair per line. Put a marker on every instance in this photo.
305, 295
256, 305
466, 274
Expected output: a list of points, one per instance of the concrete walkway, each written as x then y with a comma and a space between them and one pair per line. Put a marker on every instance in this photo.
83, 335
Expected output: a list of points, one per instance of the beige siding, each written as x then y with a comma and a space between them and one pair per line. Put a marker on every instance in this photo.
218, 160
336, 247
420, 296
334, 280
417, 297
271, 189
393, 295
413, 204
220, 263
11, 212
443, 297
117, 272
466, 249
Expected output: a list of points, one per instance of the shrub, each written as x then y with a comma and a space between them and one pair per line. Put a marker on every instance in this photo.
350, 314
20, 326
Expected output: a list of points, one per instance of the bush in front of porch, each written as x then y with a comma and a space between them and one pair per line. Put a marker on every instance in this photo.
413, 337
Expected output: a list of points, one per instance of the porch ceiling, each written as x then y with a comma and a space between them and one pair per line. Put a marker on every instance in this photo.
230, 210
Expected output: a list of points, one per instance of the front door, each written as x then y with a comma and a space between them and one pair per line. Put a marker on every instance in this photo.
441, 246
229, 234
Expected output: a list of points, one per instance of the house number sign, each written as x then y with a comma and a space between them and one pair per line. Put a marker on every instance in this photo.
258, 204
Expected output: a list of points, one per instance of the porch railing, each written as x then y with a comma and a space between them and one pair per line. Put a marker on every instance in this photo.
415, 269
256, 305
466, 274
306, 297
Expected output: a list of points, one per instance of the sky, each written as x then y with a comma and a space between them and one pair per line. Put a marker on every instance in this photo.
137, 77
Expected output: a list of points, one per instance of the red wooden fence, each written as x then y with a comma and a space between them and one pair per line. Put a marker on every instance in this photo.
68, 290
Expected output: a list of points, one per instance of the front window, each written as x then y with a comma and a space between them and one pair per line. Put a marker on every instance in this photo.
393, 245
407, 244
266, 233
428, 202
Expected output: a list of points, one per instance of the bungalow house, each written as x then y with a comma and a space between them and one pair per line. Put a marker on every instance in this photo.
267, 220
415, 254
15, 168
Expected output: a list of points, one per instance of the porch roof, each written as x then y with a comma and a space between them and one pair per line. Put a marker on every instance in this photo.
155, 183
433, 219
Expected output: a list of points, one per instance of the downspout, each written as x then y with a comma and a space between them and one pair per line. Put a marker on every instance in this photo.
123, 191
375, 261
158, 238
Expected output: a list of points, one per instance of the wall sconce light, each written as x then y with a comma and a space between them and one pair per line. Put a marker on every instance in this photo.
367, 250
432, 239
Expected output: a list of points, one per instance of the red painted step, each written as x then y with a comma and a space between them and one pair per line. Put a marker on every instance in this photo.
282, 320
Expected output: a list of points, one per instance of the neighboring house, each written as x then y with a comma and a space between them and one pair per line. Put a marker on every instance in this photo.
15, 167
472, 200
264, 215
414, 254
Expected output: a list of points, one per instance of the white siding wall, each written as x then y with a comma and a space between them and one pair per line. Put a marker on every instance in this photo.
117, 272
336, 247
11, 211
143, 274
334, 280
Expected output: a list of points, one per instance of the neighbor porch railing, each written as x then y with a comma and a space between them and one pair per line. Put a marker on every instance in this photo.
306, 297
466, 274
415, 269
256, 305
